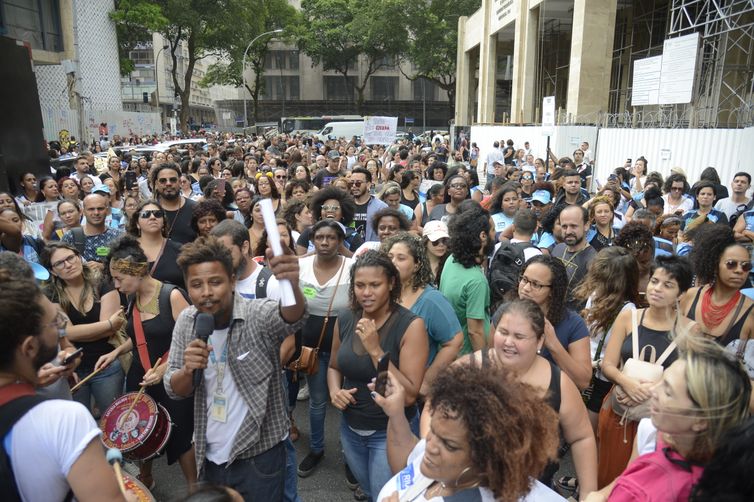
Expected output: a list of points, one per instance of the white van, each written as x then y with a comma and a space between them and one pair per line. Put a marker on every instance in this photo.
347, 130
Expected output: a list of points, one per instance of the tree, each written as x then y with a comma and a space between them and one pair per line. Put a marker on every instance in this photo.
334, 33
433, 41
135, 21
194, 29
275, 14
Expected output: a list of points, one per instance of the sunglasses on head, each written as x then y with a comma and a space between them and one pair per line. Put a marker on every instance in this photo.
147, 213
733, 264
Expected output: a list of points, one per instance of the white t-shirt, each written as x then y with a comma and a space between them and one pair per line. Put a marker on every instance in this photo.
410, 484
45, 443
594, 341
729, 207
247, 287
221, 436
686, 204
646, 436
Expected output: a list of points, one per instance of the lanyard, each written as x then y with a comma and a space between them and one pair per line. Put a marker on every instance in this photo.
222, 363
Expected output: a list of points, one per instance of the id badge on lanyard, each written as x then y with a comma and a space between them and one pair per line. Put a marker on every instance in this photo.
219, 408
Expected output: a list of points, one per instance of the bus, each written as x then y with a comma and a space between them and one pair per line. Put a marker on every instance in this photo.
312, 125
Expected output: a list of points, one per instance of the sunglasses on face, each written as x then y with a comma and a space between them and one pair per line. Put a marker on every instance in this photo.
147, 213
734, 264
443, 241
356, 183
280, 176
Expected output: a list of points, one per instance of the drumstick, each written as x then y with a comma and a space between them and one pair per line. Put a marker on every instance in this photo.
138, 395
114, 458
86, 379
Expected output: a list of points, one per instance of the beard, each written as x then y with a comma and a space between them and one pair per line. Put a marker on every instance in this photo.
171, 195
241, 267
45, 355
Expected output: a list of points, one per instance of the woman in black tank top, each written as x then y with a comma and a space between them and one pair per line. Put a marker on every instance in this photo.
151, 318
517, 342
722, 267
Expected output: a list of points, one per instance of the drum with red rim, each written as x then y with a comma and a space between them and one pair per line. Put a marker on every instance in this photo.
142, 434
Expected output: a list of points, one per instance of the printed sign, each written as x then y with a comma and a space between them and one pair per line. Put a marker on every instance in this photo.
380, 130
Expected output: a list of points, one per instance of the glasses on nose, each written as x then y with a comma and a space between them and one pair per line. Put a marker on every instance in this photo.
59, 324
356, 183
443, 241
69, 260
536, 286
280, 176
734, 264
328, 207
167, 180
458, 186
147, 213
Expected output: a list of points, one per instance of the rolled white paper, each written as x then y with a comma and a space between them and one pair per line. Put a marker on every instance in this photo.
287, 298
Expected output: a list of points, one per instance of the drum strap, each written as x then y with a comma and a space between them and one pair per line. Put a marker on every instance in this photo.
141, 341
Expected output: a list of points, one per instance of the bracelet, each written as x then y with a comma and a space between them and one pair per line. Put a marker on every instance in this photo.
111, 323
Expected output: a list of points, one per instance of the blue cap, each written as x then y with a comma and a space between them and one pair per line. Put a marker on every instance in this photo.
541, 196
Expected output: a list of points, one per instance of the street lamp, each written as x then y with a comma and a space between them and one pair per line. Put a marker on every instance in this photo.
243, 71
157, 82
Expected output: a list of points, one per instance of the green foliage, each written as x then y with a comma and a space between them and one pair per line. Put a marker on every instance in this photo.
135, 20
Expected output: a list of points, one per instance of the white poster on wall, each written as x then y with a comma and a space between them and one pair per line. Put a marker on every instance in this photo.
646, 82
380, 130
678, 69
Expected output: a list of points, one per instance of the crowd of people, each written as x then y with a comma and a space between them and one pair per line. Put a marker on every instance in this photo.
471, 332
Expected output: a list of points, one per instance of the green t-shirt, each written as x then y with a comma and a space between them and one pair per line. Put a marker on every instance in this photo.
468, 291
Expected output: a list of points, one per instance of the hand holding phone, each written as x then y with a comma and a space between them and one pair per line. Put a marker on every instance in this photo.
380, 384
72, 356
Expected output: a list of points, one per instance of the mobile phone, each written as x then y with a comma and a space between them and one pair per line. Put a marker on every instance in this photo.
130, 180
72, 356
380, 383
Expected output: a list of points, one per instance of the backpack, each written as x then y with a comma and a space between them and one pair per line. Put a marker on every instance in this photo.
734, 217
262, 279
79, 239
505, 269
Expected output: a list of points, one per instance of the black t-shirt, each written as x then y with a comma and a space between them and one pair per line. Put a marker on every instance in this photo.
179, 223
324, 177
360, 219
167, 269
508, 153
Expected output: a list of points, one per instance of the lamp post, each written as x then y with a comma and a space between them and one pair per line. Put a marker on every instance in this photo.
157, 82
243, 70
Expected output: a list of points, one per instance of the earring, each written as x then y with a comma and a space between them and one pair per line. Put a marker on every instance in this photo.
539, 351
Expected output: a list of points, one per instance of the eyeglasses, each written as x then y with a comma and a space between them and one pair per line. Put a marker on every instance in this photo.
527, 178
328, 207
458, 186
734, 264
280, 176
69, 260
356, 183
147, 213
536, 286
443, 241
167, 180
60, 323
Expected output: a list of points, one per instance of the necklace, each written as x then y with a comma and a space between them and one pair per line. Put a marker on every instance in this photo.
713, 315
569, 261
153, 306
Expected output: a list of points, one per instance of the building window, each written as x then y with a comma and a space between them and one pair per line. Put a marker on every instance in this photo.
35, 22
281, 60
424, 89
387, 63
384, 88
336, 89
276, 87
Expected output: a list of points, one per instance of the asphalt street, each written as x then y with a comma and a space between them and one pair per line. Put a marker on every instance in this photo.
326, 484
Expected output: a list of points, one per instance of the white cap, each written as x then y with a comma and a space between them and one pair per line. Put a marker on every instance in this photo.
434, 230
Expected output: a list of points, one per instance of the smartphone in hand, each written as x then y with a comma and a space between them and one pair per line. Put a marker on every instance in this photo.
380, 384
72, 356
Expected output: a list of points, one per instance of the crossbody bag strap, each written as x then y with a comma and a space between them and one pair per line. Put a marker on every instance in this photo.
329, 307
635, 333
141, 341
740, 305
159, 255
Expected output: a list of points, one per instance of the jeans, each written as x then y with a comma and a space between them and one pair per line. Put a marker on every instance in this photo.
290, 493
259, 478
367, 458
319, 396
105, 386
292, 384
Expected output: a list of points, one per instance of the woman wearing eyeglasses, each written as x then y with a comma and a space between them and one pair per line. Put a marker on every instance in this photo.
722, 267
148, 226
266, 188
95, 314
527, 184
456, 190
334, 203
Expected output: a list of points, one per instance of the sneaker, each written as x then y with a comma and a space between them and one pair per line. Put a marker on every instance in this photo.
359, 494
303, 393
310, 462
351, 479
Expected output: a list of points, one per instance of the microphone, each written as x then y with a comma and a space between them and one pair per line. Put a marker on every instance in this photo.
204, 326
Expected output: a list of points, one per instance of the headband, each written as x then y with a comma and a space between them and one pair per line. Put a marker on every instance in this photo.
128, 267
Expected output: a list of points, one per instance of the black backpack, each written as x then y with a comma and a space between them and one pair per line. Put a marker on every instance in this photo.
505, 269
741, 210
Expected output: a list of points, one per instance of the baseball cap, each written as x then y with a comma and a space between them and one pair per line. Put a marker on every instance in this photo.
434, 230
333, 154
102, 189
541, 196
678, 170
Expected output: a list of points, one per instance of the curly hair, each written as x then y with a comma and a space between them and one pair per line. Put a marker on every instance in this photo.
512, 435
613, 279
710, 243
132, 227
377, 259
293, 208
677, 267
559, 288
636, 237
675, 178
20, 312
347, 204
204, 250
305, 185
156, 170
496, 204
423, 273
464, 229
602, 199
56, 288
126, 247
403, 222
207, 207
